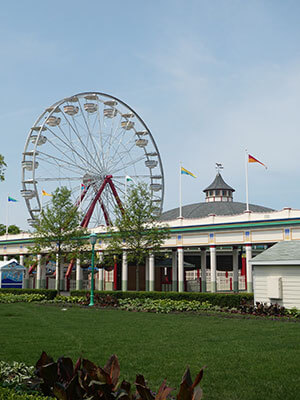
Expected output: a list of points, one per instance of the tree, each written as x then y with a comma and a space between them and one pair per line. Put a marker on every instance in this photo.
58, 232
137, 229
2, 167
12, 229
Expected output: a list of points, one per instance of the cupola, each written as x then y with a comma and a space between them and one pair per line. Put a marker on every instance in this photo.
218, 190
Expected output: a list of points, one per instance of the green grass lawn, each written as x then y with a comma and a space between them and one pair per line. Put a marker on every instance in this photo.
245, 358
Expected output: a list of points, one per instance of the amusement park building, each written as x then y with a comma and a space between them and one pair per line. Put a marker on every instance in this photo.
209, 248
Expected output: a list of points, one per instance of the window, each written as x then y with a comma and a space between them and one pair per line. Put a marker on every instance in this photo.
217, 192
224, 192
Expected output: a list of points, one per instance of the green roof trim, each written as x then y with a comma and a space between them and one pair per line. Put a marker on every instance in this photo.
197, 228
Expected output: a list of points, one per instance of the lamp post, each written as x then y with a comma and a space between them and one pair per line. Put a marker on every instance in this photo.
93, 239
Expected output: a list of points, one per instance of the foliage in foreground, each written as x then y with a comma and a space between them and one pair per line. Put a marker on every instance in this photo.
86, 380
10, 394
15, 374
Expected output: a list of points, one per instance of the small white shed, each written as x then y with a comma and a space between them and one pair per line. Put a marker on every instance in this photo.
276, 275
11, 274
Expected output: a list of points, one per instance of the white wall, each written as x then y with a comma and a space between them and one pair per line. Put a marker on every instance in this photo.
290, 284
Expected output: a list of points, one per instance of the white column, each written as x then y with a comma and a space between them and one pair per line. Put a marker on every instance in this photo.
147, 274
79, 275
124, 272
5, 258
249, 268
174, 270
38, 272
151, 273
203, 270
180, 270
235, 267
100, 272
213, 269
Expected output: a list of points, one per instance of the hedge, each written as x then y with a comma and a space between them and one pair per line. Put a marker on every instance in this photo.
50, 294
10, 394
217, 299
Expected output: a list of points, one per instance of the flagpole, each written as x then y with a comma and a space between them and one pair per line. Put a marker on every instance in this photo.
180, 194
6, 231
247, 186
126, 189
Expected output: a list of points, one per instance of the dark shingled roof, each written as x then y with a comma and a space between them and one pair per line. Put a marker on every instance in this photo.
201, 210
219, 184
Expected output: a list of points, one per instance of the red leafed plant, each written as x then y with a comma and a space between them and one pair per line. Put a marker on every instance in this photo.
86, 380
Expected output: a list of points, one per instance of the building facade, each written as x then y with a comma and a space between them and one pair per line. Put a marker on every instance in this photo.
216, 239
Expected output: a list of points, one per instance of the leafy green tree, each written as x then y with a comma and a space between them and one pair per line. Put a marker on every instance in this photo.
136, 229
12, 229
2, 167
58, 231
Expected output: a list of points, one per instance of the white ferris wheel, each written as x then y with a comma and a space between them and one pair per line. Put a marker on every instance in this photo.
90, 143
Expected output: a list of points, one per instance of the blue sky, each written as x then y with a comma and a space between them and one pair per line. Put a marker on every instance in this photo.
209, 78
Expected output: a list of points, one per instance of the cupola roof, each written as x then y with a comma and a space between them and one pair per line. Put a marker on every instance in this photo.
219, 184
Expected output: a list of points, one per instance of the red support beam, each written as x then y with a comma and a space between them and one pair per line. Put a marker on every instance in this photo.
115, 193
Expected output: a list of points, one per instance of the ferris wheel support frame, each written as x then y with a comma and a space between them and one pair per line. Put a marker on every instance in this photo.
86, 219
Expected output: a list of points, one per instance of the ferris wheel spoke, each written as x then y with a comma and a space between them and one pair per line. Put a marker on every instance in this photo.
121, 144
100, 131
89, 132
84, 160
123, 156
68, 147
59, 162
128, 164
114, 133
83, 145
108, 143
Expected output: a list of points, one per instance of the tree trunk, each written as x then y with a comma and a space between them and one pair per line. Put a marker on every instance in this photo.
137, 278
58, 272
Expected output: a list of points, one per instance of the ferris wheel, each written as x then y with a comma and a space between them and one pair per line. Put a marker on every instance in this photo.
94, 144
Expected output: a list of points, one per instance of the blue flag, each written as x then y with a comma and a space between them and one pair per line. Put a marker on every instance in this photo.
12, 199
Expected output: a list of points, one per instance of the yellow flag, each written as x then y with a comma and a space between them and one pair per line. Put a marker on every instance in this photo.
45, 193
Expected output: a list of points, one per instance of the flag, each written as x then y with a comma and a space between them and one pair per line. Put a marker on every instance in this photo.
252, 159
83, 187
128, 179
45, 193
186, 172
12, 199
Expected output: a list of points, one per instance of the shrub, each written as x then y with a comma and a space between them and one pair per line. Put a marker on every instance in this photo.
10, 394
86, 380
15, 373
163, 305
264, 309
48, 293
26, 298
229, 300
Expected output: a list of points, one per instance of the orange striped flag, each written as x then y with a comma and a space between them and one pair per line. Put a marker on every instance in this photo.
252, 159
